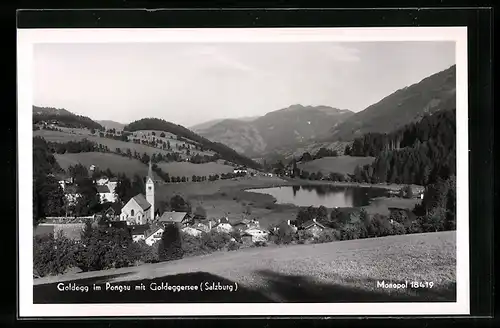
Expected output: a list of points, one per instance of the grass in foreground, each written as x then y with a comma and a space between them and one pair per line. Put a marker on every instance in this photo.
345, 271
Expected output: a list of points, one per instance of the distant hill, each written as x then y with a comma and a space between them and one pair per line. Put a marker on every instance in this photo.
205, 125
290, 126
410, 104
108, 124
222, 150
209, 124
63, 118
51, 111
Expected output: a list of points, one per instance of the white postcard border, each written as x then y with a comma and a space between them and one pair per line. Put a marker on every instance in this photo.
28, 37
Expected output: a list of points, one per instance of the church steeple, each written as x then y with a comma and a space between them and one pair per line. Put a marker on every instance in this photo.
150, 192
150, 172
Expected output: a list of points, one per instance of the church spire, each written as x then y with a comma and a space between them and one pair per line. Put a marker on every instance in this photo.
150, 172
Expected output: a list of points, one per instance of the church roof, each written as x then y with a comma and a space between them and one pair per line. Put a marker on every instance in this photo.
141, 201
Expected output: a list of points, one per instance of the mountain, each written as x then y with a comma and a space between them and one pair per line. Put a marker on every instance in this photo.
108, 124
222, 150
207, 125
291, 126
51, 111
410, 104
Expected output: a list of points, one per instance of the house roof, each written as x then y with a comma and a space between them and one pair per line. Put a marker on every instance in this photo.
103, 189
311, 223
141, 201
152, 230
139, 229
172, 217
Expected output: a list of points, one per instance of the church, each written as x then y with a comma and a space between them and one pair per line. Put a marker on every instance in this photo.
140, 209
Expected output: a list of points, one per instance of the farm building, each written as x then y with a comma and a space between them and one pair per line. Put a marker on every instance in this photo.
140, 209
313, 227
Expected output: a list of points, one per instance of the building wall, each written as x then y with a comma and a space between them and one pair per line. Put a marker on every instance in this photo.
137, 237
139, 217
154, 238
107, 197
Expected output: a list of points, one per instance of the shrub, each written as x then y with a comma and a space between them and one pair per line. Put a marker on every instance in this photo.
260, 243
192, 245
284, 235
304, 236
233, 245
328, 235
398, 228
170, 245
215, 240
53, 256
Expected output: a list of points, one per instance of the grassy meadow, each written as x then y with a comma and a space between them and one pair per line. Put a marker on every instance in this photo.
344, 271
116, 163
189, 169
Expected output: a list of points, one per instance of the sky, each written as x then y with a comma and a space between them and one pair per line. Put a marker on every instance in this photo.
191, 83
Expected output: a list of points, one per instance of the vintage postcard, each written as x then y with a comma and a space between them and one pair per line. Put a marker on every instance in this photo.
290, 171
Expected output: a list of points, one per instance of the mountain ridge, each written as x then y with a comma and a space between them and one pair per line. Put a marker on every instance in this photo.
272, 130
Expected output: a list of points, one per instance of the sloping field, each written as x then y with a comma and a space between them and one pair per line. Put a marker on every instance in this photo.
188, 169
339, 164
56, 136
346, 271
116, 163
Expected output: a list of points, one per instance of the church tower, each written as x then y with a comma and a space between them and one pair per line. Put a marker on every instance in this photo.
150, 191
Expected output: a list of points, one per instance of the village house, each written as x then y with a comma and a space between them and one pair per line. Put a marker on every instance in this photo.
314, 227
153, 234
223, 225
105, 194
256, 234
192, 231
140, 209
138, 231
240, 170
177, 218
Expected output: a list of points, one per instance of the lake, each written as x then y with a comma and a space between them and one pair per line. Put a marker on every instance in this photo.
326, 195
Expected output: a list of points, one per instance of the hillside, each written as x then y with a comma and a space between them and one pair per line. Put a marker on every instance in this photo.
108, 124
116, 163
434, 93
344, 271
291, 126
222, 150
51, 111
63, 118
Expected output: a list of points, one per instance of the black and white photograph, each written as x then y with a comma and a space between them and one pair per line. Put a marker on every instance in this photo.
243, 171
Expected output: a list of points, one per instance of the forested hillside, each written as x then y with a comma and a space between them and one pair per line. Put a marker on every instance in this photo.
419, 153
63, 118
161, 125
